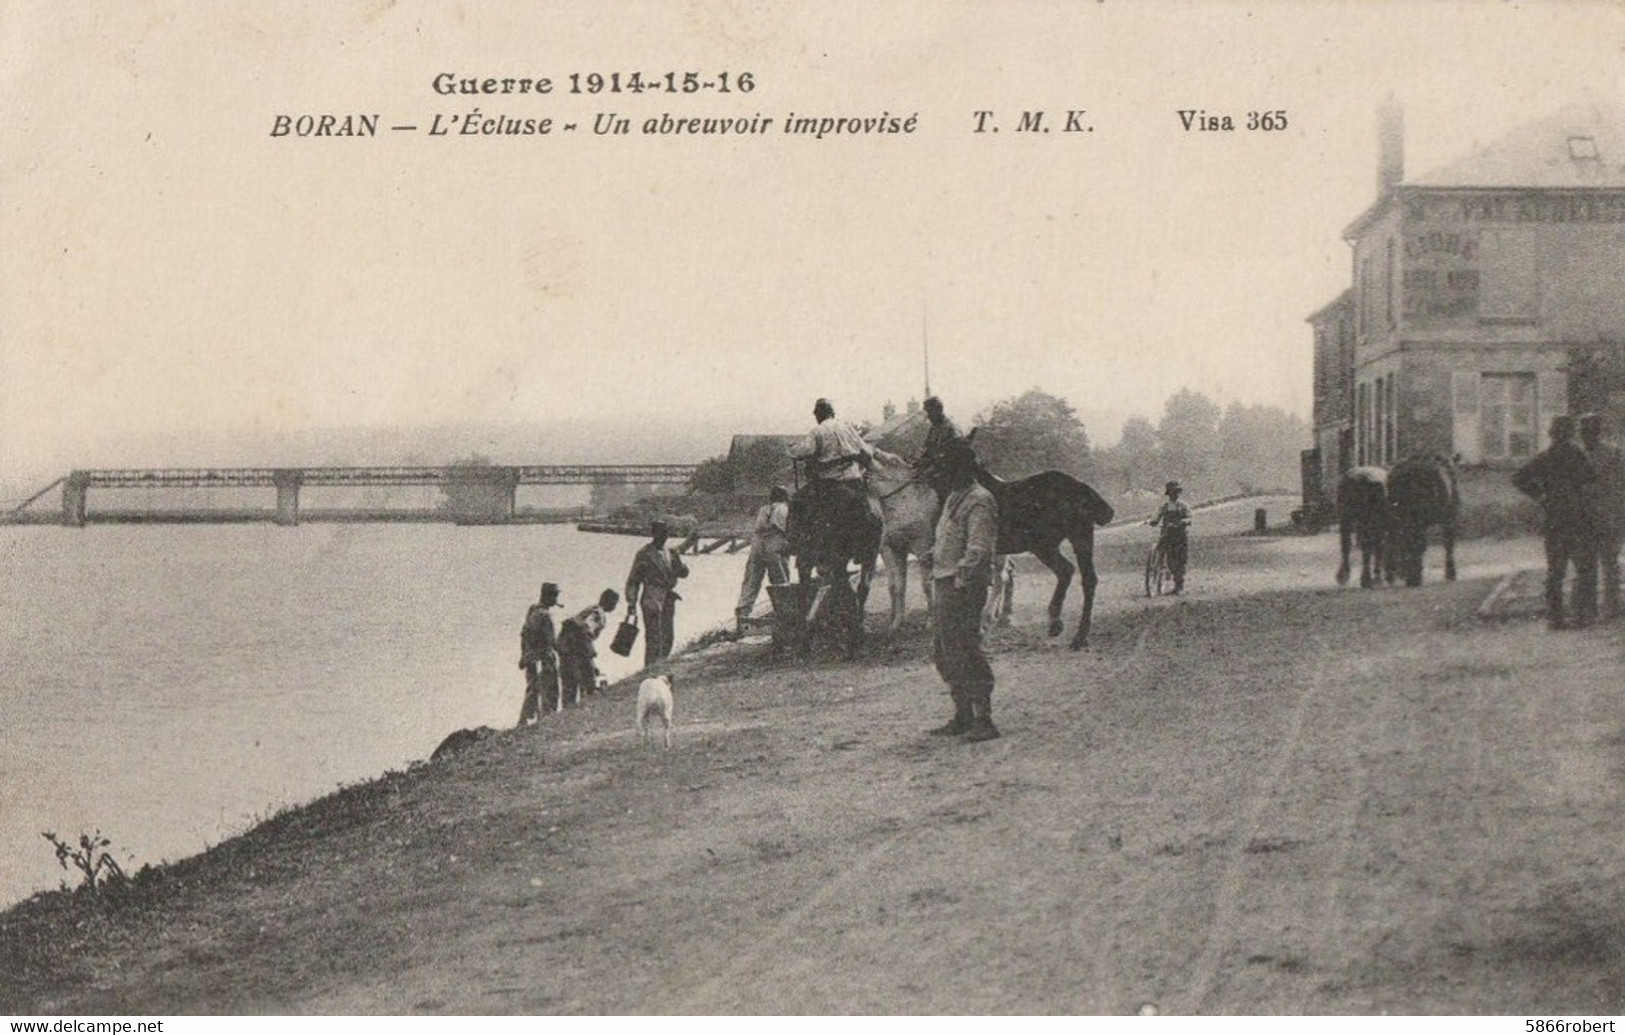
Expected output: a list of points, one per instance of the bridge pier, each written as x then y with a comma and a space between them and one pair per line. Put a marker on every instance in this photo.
75, 490
287, 484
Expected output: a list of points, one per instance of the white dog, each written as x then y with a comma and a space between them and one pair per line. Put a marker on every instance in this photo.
654, 702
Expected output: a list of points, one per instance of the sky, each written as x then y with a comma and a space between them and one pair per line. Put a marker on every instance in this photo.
172, 273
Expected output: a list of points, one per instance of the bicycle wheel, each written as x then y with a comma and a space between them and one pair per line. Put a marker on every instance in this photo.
1153, 570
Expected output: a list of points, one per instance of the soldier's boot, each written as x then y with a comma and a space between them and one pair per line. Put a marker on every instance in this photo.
981, 724
960, 722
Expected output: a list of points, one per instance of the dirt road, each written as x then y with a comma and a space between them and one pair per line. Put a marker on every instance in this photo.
1270, 796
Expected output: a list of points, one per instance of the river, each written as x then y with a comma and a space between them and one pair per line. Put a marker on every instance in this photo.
170, 685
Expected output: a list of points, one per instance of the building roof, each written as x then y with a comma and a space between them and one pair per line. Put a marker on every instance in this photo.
740, 443
1343, 301
1579, 146
880, 432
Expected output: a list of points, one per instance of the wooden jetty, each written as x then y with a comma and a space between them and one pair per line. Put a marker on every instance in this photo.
703, 539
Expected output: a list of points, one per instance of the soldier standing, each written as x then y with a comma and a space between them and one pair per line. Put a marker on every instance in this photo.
1607, 509
539, 657
962, 566
653, 583
1560, 479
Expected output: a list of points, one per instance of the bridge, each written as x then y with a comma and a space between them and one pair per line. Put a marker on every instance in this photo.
474, 493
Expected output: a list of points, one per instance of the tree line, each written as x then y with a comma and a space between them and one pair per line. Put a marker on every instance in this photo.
1213, 451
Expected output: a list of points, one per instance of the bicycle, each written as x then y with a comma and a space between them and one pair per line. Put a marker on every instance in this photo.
1157, 572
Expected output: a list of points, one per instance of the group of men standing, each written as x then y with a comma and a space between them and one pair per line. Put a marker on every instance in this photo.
561, 662
560, 666
1581, 489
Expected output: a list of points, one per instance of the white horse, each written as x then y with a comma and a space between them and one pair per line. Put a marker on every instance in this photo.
909, 508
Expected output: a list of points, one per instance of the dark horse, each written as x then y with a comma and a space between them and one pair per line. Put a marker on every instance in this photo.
1035, 515
1422, 492
833, 524
1362, 516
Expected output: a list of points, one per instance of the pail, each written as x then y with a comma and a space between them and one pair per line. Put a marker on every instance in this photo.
625, 637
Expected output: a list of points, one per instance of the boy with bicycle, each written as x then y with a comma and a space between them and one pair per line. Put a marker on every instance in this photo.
1175, 518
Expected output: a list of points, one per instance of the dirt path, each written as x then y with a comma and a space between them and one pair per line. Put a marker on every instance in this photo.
1299, 801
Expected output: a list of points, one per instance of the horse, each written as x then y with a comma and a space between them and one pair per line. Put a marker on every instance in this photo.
1362, 516
833, 524
1422, 492
909, 511
1035, 515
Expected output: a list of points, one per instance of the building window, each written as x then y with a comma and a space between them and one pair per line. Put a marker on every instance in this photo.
1362, 421
1507, 416
1390, 427
1389, 273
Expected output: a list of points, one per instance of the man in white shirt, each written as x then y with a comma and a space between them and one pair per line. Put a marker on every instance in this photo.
769, 543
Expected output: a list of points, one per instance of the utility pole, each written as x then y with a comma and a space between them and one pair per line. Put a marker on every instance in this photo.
925, 344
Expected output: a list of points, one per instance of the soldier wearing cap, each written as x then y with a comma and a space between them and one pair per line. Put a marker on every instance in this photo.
962, 569
539, 657
652, 582
1175, 519
1560, 480
1607, 501
942, 436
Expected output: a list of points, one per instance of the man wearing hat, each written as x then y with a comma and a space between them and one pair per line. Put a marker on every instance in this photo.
1175, 518
942, 436
539, 657
1607, 508
961, 570
1560, 480
653, 583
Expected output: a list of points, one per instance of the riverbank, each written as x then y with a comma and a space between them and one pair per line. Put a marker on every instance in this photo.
1231, 803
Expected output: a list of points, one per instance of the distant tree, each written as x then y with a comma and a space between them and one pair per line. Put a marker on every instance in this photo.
1138, 454
1259, 447
1189, 435
764, 463
1033, 432
715, 475
472, 491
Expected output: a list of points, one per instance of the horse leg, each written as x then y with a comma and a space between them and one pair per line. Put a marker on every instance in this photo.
866, 574
924, 554
1085, 551
1050, 555
897, 582
1007, 589
1448, 530
1344, 535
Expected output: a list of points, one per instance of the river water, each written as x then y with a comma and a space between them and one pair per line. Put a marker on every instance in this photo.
169, 685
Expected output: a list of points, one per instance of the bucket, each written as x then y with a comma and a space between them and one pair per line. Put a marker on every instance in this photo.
625, 636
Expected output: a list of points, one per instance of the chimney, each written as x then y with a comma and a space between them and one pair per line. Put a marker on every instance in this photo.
1390, 146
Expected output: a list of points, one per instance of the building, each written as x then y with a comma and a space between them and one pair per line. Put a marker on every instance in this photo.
1485, 298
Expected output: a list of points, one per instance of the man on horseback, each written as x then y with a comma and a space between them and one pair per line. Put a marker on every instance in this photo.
836, 496
940, 438
833, 449
835, 518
